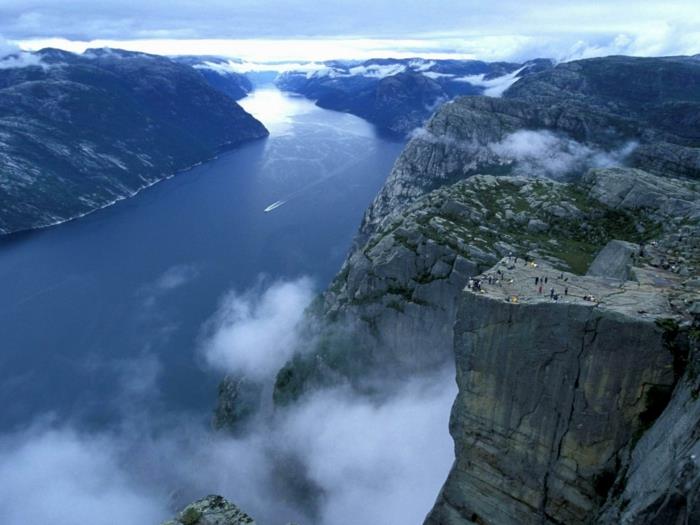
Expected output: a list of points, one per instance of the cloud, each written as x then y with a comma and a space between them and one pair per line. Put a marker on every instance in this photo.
361, 461
255, 332
493, 87
376, 462
332, 458
539, 153
7, 48
176, 276
11, 56
239, 66
543, 153
61, 477
22, 59
171, 279
304, 30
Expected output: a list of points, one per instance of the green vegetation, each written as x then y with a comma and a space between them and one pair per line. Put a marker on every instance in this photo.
190, 516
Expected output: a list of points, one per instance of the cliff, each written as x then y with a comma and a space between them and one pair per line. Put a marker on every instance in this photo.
567, 405
552, 391
391, 309
78, 132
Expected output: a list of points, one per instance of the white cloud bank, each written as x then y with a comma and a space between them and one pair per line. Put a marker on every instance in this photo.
62, 477
543, 153
493, 87
11, 56
255, 333
360, 459
372, 463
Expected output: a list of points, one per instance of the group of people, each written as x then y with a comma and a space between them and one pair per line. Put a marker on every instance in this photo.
541, 281
475, 284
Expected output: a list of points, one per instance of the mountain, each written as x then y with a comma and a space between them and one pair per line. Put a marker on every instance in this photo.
399, 95
212, 510
578, 401
219, 73
78, 132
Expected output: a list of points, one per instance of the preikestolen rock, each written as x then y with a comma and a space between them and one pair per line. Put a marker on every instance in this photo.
552, 386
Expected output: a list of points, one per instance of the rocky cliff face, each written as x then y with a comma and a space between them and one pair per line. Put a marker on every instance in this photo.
78, 132
392, 307
552, 391
659, 482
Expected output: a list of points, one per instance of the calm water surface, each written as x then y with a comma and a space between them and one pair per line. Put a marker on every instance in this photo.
85, 304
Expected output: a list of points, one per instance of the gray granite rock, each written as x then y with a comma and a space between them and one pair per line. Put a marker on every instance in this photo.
550, 392
212, 510
615, 260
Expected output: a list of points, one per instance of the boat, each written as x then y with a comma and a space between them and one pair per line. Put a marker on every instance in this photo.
274, 205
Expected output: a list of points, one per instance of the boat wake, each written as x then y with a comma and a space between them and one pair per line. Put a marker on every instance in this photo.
274, 205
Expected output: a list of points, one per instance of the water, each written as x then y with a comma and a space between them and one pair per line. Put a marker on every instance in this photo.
84, 303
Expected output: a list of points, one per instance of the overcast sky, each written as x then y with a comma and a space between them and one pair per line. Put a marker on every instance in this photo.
281, 29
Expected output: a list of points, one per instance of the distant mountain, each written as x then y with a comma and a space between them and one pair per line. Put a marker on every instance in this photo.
653, 101
399, 95
78, 132
219, 73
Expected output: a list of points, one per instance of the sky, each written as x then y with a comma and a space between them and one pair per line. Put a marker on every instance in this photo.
268, 30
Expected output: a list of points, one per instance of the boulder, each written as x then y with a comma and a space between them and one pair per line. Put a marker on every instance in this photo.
615, 260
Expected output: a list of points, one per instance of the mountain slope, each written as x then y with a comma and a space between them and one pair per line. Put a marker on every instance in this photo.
78, 132
219, 74
399, 95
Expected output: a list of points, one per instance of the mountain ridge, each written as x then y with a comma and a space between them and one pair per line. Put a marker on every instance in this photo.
78, 132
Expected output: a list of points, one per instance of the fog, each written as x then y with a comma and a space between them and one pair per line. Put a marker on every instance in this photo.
12, 57
493, 87
254, 333
543, 153
537, 153
333, 458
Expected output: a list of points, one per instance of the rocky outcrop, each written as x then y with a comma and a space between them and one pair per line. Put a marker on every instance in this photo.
392, 306
78, 132
238, 401
212, 510
633, 189
552, 387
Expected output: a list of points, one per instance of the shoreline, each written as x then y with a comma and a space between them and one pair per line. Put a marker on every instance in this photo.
223, 151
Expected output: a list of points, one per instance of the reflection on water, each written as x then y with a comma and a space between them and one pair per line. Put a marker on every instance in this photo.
85, 302
276, 110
